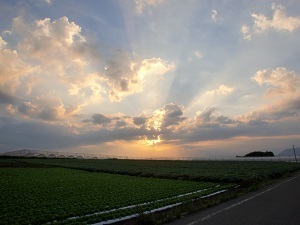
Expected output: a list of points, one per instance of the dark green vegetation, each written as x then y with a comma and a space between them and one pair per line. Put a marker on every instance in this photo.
212, 171
260, 154
39, 191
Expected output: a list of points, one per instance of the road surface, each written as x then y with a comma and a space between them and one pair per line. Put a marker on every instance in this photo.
278, 204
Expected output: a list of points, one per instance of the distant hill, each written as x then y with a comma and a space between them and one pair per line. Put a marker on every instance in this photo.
21, 152
289, 152
260, 154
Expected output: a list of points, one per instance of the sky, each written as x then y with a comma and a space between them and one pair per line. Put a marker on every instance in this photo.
150, 78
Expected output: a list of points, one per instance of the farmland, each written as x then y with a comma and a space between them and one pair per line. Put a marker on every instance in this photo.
73, 191
216, 171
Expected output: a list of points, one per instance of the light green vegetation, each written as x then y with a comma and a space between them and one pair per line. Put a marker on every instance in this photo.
41, 195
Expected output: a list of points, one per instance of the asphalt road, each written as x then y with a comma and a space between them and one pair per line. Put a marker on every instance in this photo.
278, 204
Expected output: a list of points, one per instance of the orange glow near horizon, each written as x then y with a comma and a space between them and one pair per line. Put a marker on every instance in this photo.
150, 142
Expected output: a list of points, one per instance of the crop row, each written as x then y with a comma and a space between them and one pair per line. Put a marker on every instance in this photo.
41, 195
212, 171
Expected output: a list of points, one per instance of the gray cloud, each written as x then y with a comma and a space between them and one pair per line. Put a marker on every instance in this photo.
37, 135
26, 108
121, 123
100, 119
7, 99
284, 109
139, 120
173, 115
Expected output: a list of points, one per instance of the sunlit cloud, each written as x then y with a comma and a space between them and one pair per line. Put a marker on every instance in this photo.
166, 117
148, 76
126, 76
12, 69
281, 80
154, 140
222, 90
279, 21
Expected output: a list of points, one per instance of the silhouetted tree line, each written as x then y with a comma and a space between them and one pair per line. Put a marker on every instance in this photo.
260, 154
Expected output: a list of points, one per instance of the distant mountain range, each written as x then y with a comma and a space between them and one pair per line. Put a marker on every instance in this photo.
289, 152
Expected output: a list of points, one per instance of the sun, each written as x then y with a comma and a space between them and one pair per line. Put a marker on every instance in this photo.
150, 142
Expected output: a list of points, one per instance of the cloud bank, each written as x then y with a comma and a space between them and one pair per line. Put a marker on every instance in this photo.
148, 74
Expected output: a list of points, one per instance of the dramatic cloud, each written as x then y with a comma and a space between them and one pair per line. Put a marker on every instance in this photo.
169, 115
54, 57
148, 72
126, 76
49, 54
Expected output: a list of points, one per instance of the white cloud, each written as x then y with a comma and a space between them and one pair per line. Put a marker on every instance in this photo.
214, 15
279, 21
245, 30
199, 55
59, 49
90, 87
141, 5
222, 90
126, 76
281, 80
12, 68
48, 40
49, 1
283, 94
154, 67
54, 51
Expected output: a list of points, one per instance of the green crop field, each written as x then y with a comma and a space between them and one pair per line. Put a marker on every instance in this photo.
219, 171
78, 191
41, 195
